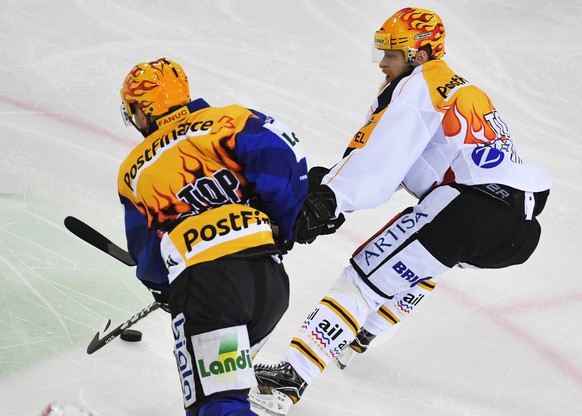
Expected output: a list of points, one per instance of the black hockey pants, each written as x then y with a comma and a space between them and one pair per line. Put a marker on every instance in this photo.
484, 231
250, 294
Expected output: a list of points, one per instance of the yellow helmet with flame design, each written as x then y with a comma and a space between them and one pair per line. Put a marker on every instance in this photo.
156, 87
409, 29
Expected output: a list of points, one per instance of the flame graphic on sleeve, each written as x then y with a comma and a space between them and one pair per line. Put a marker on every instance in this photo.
464, 120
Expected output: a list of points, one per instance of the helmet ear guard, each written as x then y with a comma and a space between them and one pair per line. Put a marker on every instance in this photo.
410, 29
126, 113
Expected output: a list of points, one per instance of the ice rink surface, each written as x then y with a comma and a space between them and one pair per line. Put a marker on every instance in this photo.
486, 343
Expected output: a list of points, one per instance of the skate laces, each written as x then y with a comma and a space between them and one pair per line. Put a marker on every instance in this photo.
280, 370
273, 367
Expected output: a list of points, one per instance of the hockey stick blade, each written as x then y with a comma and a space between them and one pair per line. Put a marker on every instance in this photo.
101, 338
96, 239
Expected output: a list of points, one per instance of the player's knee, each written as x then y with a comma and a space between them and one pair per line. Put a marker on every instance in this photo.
346, 285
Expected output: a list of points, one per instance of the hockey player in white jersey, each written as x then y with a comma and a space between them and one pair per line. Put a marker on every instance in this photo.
434, 133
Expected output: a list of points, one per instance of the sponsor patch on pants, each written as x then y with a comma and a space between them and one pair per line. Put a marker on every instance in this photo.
183, 360
223, 360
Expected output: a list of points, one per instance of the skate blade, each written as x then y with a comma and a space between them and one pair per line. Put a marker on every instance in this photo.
345, 358
272, 404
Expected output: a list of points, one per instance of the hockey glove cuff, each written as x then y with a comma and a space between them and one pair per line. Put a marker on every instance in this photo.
162, 298
315, 175
284, 246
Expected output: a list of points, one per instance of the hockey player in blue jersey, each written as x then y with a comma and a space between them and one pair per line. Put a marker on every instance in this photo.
210, 197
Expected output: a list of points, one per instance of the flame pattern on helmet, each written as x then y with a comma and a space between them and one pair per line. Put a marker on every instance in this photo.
409, 29
156, 87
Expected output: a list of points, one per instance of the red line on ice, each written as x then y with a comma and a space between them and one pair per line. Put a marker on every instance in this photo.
550, 354
65, 119
541, 304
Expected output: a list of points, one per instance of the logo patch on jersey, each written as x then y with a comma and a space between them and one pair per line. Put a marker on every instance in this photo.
456, 81
175, 116
211, 192
218, 232
288, 136
246, 222
487, 157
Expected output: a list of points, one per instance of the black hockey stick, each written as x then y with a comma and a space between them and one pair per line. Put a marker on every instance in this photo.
96, 239
101, 339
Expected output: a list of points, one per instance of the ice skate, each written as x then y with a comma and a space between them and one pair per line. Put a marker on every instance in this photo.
358, 346
279, 386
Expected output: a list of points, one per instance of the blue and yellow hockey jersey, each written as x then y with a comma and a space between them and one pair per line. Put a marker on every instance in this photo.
207, 183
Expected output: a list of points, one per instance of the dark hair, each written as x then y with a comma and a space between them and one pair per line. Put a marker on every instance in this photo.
428, 49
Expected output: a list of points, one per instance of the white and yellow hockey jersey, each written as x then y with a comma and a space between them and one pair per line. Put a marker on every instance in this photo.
433, 128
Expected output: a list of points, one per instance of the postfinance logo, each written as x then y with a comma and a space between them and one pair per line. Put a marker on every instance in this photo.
230, 358
223, 225
446, 89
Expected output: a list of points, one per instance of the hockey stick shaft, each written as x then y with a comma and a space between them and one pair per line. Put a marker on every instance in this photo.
101, 339
98, 240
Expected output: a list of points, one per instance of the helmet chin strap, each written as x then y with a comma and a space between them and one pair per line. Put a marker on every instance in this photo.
144, 132
150, 120
150, 128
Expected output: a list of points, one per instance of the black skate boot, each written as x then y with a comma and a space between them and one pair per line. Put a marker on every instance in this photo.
358, 346
279, 386
281, 377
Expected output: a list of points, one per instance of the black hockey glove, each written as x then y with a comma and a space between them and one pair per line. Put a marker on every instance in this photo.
162, 298
316, 216
315, 175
